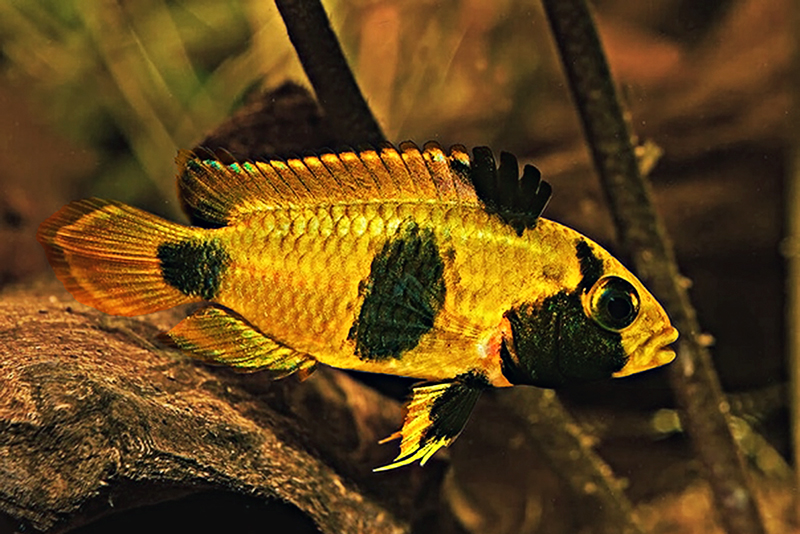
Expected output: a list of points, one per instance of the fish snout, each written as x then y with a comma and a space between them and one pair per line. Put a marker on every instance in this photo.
654, 352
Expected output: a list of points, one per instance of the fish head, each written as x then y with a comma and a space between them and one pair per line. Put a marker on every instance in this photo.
605, 324
620, 304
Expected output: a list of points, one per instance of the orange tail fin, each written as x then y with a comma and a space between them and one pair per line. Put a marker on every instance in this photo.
113, 257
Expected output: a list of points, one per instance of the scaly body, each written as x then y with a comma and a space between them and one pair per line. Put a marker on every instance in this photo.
412, 263
296, 274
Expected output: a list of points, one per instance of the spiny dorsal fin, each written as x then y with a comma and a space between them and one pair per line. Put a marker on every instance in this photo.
214, 193
518, 201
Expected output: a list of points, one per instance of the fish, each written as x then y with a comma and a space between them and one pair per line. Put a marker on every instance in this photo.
423, 263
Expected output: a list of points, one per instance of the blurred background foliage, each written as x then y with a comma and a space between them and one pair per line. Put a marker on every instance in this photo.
97, 97
131, 82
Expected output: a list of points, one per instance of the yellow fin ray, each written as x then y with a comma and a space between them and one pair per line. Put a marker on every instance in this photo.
216, 335
435, 416
214, 193
106, 254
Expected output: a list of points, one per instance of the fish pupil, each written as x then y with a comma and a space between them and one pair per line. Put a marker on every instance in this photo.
619, 307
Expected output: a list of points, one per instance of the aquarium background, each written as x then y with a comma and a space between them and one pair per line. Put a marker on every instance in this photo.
97, 97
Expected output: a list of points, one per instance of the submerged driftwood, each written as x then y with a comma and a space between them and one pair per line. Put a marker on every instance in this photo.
95, 418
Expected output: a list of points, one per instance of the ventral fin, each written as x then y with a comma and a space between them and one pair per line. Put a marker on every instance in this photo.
517, 200
215, 193
220, 336
435, 416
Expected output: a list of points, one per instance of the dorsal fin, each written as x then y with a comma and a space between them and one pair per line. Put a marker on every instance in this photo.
214, 193
518, 201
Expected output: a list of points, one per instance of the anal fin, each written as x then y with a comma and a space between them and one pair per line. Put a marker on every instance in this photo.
435, 416
217, 335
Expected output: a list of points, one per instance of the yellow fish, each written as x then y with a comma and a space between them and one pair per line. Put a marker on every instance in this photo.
409, 262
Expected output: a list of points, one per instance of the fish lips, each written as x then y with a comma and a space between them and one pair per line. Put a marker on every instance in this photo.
651, 354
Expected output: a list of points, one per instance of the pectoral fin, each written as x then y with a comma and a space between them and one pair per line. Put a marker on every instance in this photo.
216, 335
435, 416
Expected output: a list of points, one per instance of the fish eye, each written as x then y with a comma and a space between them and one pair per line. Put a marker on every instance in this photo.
613, 303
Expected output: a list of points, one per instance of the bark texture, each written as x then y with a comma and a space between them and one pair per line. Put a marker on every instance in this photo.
95, 418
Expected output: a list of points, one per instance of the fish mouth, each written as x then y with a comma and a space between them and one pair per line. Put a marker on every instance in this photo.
651, 354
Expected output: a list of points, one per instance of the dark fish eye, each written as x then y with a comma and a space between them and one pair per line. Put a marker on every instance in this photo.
613, 303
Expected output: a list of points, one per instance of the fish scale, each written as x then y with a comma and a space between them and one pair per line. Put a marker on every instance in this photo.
313, 304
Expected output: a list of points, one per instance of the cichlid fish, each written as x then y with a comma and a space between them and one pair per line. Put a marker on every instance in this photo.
416, 263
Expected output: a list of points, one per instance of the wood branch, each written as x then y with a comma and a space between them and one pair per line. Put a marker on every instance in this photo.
90, 408
693, 377
327, 69
567, 449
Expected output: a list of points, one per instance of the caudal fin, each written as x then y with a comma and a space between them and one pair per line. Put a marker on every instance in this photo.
117, 258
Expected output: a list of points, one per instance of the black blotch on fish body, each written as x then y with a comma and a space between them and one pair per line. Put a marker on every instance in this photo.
517, 200
591, 265
193, 266
404, 293
557, 344
450, 411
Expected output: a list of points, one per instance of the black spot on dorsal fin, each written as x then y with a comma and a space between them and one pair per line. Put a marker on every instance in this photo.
518, 201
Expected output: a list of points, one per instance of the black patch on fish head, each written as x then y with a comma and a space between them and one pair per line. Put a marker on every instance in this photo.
195, 267
450, 411
555, 343
591, 265
403, 294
